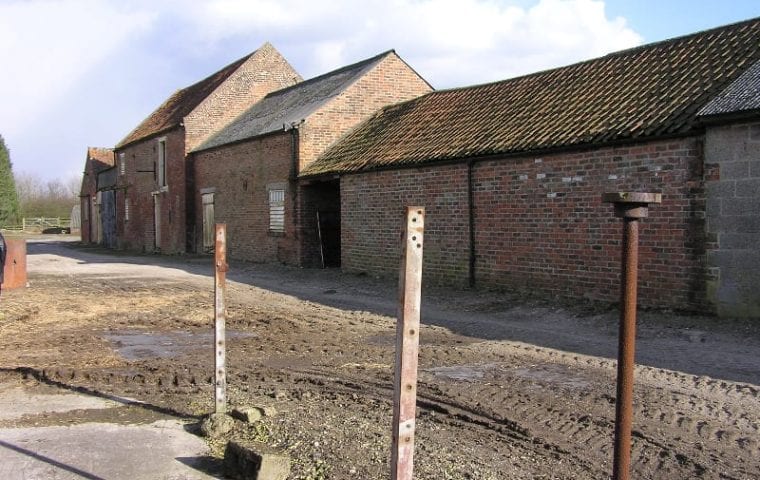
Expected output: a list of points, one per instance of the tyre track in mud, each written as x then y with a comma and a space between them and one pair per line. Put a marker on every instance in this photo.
581, 439
496, 400
574, 424
578, 431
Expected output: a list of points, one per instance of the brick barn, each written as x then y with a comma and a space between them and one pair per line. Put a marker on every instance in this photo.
246, 174
97, 160
511, 174
153, 190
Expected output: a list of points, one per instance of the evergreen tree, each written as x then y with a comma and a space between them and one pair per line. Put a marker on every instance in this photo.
9, 207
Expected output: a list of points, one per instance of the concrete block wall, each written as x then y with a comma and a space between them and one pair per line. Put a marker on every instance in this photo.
240, 174
539, 222
732, 155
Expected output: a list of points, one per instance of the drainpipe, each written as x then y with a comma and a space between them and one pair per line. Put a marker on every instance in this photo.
471, 215
294, 144
295, 141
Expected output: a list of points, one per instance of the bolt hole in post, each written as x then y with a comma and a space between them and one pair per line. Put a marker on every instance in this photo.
631, 207
220, 316
407, 346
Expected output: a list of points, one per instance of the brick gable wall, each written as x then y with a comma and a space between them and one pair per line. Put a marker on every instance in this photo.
87, 193
539, 222
264, 72
390, 81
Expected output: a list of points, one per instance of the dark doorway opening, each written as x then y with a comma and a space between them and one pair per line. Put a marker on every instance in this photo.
328, 230
321, 222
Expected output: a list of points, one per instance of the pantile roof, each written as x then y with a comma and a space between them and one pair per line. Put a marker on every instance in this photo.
172, 112
100, 158
648, 91
282, 108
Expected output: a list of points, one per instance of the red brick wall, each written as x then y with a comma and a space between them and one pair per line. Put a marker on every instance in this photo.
540, 223
138, 184
390, 81
258, 162
372, 207
264, 72
88, 191
240, 174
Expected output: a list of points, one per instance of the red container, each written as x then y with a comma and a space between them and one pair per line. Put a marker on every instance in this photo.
15, 264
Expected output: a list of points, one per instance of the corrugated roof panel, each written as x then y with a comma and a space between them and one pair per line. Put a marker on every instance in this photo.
290, 105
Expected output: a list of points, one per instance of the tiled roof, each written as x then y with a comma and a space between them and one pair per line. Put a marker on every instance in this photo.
741, 95
180, 104
649, 91
100, 158
291, 104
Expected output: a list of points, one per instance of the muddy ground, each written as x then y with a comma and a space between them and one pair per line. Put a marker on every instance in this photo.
509, 387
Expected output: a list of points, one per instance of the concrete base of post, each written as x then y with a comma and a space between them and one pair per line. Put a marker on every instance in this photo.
254, 461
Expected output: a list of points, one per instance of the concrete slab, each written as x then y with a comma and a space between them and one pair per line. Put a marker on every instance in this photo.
99, 439
16, 402
162, 450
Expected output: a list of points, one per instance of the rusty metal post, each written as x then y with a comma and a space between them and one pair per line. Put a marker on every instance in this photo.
631, 207
220, 316
407, 346
14, 271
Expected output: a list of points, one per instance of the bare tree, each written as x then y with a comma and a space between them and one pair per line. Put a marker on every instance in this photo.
51, 198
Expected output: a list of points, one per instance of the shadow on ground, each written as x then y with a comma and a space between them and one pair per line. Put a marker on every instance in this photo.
699, 345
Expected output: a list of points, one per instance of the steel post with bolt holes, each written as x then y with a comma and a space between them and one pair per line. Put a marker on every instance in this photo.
220, 316
631, 207
407, 346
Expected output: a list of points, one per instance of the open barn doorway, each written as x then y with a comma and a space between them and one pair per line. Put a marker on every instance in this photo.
321, 223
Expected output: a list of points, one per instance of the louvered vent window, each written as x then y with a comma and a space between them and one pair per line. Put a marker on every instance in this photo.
277, 210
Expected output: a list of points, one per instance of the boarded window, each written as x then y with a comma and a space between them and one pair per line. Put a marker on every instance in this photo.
161, 165
122, 164
277, 210
126, 209
208, 221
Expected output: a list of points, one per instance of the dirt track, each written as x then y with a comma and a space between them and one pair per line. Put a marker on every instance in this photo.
509, 389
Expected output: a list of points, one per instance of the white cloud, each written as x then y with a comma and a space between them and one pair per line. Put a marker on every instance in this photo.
85, 72
452, 42
46, 47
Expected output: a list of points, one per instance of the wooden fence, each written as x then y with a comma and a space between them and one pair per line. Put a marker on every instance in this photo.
40, 224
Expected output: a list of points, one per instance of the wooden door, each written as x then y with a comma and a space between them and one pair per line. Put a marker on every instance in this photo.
208, 222
157, 222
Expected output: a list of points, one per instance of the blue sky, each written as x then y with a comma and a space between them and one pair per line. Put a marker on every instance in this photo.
80, 73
